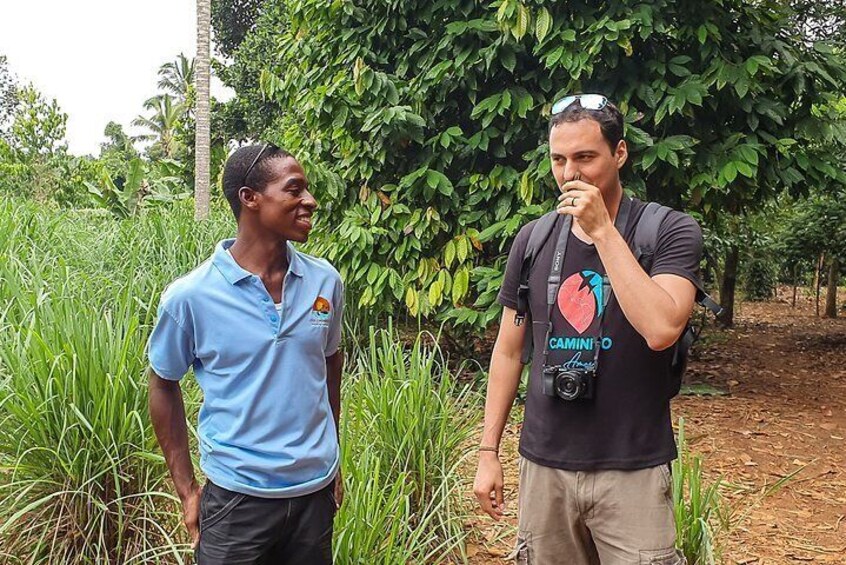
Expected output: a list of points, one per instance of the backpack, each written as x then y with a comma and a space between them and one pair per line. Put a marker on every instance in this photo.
645, 242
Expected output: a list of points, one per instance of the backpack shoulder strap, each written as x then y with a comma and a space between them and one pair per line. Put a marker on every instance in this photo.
646, 241
646, 233
540, 234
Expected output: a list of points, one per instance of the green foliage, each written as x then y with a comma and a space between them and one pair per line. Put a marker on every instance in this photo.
423, 123
700, 513
172, 123
177, 78
171, 120
116, 153
8, 95
818, 227
34, 162
39, 126
142, 185
761, 254
163, 123
821, 19
117, 141
81, 477
761, 277
231, 21
402, 433
122, 202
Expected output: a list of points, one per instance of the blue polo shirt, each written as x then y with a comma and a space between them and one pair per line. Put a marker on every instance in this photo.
265, 425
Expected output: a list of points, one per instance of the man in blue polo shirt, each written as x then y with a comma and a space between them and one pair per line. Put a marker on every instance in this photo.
260, 324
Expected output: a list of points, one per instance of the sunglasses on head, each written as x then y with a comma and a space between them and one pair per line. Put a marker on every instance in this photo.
264, 148
586, 101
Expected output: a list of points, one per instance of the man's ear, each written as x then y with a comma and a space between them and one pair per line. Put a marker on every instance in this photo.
248, 198
621, 155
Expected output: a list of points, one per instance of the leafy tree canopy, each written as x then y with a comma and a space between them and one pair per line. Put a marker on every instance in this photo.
424, 123
231, 21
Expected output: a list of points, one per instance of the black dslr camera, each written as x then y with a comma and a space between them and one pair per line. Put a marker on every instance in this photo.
569, 384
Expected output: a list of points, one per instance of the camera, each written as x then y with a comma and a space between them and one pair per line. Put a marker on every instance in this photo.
569, 384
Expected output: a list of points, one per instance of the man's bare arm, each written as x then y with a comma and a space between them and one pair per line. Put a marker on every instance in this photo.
167, 412
334, 369
658, 307
503, 381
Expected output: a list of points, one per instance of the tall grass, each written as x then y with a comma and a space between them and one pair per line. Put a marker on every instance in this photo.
701, 513
82, 468
81, 477
405, 423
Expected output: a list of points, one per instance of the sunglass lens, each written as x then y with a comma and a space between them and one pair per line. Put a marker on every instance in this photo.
593, 101
562, 104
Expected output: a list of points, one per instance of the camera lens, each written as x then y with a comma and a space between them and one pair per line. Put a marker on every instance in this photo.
568, 386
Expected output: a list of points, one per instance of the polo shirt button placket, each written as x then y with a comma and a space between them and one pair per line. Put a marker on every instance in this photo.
286, 285
273, 316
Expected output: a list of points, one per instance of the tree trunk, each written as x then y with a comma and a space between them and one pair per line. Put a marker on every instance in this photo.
728, 285
831, 292
795, 285
818, 281
202, 149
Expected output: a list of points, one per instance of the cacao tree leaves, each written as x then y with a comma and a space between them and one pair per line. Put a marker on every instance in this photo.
440, 109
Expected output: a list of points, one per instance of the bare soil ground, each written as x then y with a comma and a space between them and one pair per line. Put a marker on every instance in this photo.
785, 373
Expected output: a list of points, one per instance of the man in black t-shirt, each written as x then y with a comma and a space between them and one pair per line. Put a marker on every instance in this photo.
595, 483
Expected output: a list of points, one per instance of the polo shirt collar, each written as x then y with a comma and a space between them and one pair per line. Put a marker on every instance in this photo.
234, 273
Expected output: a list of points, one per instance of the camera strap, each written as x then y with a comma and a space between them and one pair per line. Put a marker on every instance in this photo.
553, 282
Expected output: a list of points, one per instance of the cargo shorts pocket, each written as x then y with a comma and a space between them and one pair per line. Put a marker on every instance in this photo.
667, 476
669, 556
522, 554
667, 482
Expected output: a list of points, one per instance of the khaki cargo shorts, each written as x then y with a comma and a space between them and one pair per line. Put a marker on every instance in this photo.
596, 517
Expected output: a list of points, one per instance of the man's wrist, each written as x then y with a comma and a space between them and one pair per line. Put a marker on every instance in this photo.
186, 489
488, 456
488, 450
603, 234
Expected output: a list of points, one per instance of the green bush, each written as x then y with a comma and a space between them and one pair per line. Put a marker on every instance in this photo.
761, 278
701, 515
82, 479
423, 124
405, 421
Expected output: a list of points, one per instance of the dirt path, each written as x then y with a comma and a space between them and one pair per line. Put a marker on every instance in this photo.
785, 370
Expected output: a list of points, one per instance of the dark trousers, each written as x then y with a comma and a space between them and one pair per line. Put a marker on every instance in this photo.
237, 529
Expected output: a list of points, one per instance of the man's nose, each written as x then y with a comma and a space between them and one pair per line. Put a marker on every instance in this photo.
309, 201
571, 171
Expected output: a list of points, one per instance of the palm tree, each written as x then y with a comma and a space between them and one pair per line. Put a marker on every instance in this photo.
162, 123
202, 143
177, 77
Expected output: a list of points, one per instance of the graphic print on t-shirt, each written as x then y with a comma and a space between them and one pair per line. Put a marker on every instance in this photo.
580, 299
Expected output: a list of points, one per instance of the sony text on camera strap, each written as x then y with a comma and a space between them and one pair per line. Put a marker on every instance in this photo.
554, 280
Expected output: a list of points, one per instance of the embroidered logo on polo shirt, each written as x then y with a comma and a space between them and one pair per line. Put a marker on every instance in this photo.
320, 312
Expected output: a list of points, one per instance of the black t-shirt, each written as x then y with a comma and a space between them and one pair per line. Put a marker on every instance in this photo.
627, 424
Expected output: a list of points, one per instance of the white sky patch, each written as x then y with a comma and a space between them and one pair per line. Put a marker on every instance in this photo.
98, 58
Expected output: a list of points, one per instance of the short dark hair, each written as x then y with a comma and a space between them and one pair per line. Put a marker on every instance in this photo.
609, 118
258, 177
